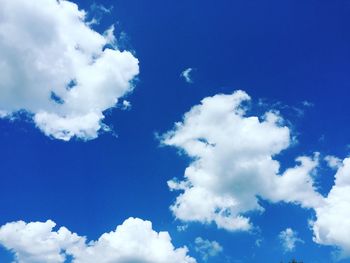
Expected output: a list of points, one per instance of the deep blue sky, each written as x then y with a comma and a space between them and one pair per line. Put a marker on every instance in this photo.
282, 51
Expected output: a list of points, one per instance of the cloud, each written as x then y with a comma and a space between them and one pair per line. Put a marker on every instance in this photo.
307, 103
333, 162
332, 224
207, 248
289, 238
233, 163
182, 228
186, 75
98, 12
126, 105
258, 242
36, 242
59, 70
101, 8
133, 241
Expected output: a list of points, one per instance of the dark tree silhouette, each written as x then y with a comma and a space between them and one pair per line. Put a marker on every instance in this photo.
294, 261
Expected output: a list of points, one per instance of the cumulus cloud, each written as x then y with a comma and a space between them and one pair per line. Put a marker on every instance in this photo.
332, 224
207, 248
289, 238
186, 75
233, 163
58, 70
133, 241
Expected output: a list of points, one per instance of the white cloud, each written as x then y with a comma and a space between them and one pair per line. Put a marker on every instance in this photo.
59, 70
186, 74
289, 238
332, 224
102, 8
126, 105
333, 162
133, 241
307, 103
258, 242
36, 242
233, 163
207, 248
182, 228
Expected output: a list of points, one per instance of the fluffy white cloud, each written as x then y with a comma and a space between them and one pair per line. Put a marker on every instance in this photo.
233, 163
59, 70
332, 226
289, 238
207, 248
133, 241
36, 242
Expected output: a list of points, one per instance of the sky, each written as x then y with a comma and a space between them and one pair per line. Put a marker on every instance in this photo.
174, 131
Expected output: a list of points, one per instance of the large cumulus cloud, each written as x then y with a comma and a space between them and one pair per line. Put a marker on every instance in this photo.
233, 163
58, 69
133, 241
332, 224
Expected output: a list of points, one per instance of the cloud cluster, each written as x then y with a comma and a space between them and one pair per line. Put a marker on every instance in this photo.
207, 248
133, 241
332, 224
233, 163
289, 238
65, 75
57, 69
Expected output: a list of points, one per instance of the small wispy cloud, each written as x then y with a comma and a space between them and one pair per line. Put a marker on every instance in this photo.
126, 105
182, 228
98, 11
289, 238
333, 161
307, 103
258, 242
207, 248
101, 8
186, 75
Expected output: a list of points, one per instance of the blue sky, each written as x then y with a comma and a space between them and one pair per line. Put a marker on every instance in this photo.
292, 57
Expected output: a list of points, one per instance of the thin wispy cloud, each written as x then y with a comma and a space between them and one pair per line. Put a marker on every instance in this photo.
187, 75
207, 248
126, 105
289, 239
